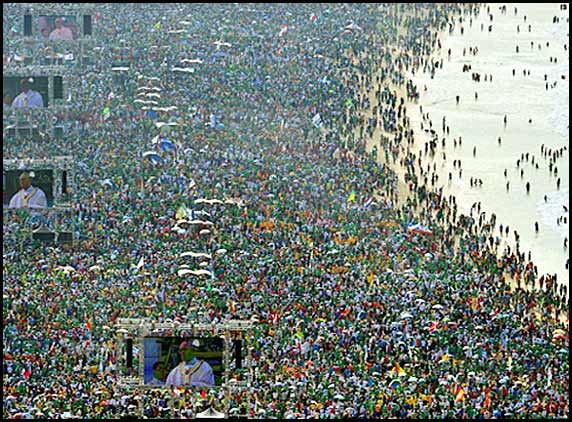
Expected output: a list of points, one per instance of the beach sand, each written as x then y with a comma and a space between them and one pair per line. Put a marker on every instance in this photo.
420, 137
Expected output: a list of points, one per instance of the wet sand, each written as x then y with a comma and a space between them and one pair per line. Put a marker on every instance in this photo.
420, 138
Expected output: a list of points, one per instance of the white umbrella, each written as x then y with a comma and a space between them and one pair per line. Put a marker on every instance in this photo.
159, 125
198, 61
66, 269
204, 223
437, 306
204, 231
179, 230
149, 88
183, 69
139, 101
196, 255
170, 108
224, 44
353, 27
221, 251
406, 315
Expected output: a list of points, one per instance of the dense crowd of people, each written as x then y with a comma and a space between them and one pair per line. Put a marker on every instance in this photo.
359, 315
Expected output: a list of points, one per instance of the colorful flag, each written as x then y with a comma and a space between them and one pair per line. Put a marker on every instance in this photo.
434, 326
487, 401
317, 121
157, 26
397, 370
182, 213
460, 395
352, 197
88, 325
368, 202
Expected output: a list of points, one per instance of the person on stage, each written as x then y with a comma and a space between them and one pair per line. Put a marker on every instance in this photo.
28, 98
191, 371
28, 196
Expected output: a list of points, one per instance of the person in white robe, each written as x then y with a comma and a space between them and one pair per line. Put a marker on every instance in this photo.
28, 98
28, 196
191, 371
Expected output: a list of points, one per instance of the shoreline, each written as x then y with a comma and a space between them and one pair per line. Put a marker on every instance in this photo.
545, 245
403, 188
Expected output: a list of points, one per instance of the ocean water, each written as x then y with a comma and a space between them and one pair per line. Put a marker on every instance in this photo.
480, 123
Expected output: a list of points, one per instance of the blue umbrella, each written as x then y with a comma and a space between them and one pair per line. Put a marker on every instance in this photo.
165, 144
153, 156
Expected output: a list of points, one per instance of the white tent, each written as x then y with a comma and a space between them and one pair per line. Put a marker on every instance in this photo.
210, 413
